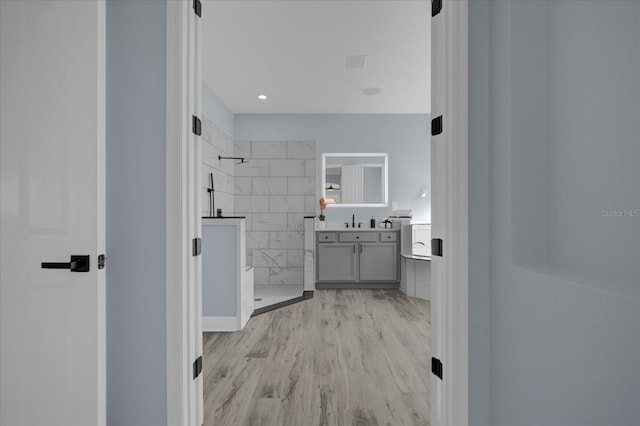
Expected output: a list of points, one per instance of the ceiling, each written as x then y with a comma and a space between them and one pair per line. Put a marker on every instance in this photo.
295, 52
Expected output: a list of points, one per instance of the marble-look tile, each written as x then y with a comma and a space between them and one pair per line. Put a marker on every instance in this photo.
295, 222
302, 185
248, 223
257, 239
221, 181
269, 185
242, 149
286, 240
251, 203
223, 201
301, 149
252, 168
295, 258
287, 276
242, 186
269, 221
310, 168
287, 167
311, 205
260, 276
286, 203
268, 149
269, 258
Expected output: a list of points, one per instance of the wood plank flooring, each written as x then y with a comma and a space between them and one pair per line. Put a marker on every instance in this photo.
345, 357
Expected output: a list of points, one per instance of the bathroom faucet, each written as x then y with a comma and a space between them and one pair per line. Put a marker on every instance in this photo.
353, 221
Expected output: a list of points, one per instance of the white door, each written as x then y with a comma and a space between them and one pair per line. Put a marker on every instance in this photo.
449, 214
52, 206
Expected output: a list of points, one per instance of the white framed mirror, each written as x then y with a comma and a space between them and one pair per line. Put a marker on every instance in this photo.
355, 179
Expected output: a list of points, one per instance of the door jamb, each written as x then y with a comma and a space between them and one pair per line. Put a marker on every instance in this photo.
451, 407
177, 216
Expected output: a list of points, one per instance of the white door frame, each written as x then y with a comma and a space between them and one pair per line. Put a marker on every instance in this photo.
183, 211
449, 41
450, 170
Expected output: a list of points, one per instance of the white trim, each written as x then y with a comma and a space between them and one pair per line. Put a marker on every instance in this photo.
177, 233
221, 324
450, 332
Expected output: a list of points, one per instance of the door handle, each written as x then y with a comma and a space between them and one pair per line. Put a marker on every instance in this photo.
76, 264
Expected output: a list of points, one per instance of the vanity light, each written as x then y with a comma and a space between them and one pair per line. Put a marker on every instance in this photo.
423, 192
262, 97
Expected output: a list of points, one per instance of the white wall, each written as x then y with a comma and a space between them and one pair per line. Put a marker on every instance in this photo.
135, 168
554, 282
405, 137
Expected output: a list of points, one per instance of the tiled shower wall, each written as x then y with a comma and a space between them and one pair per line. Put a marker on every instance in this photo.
216, 142
275, 190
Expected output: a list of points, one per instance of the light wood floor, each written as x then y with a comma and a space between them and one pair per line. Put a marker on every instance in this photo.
345, 357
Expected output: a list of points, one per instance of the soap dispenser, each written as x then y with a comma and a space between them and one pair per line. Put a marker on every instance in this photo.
373, 223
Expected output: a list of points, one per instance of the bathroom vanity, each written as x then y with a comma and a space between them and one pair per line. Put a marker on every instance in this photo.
358, 258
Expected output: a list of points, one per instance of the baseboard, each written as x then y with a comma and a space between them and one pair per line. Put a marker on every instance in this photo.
219, 324
359, 285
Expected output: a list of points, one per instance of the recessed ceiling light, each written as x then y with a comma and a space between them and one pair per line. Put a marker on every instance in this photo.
262, 97
371, 91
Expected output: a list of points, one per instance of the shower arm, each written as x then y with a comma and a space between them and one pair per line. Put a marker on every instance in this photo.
242, 160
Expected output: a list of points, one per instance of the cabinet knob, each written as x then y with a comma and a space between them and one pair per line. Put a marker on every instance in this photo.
357, 238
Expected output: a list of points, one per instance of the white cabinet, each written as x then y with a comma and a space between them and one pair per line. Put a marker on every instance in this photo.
357, 259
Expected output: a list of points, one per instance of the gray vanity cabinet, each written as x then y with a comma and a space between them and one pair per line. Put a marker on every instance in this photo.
336, 262
378, 261
357, 259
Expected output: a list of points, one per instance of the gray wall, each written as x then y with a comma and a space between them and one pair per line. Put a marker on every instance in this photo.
136, 337
404, 136
215, 110
219, 269
554, 298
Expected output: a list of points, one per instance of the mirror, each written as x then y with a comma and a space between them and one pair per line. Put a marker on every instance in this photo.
355, 179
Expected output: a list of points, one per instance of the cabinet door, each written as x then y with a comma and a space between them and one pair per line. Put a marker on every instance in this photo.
379, 262
336, 262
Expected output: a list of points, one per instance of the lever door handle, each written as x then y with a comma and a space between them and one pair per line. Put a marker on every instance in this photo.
76, 264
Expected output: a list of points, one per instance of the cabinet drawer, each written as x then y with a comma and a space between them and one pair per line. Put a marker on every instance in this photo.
327, 237
369, 237
388, 236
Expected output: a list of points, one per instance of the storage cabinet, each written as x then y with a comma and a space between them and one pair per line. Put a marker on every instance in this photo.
336, 262
378, 262
357, 259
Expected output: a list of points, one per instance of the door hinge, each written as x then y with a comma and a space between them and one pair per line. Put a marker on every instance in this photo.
436, 247
196, 126
197, 367
436, 126
436, 367
197, 246
197, 7
436, 7
101, 260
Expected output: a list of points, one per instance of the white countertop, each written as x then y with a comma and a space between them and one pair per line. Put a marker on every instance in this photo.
367, 229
